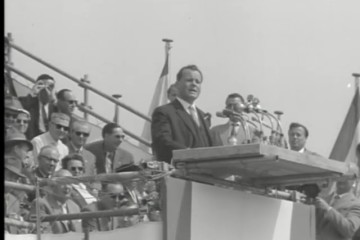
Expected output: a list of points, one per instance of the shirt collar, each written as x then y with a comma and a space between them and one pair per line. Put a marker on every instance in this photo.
77, 150
185, 104
302, 150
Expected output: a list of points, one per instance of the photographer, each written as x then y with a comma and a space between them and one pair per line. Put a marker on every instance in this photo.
39, 104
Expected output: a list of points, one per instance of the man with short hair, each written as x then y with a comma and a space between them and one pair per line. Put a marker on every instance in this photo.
180, 124
39, 104
110, 156
66, 102
114, 196
298, 135
58, 129
338, 216
232, 132
48, 158
82, 193
57, 201
79, 133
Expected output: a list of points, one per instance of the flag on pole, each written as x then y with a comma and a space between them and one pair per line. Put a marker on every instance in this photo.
159, 98
346, 145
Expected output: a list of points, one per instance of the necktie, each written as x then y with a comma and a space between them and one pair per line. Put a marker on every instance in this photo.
194, 116
42, 116
108, 164
232, 140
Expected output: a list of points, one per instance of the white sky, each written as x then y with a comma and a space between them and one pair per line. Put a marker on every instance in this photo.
295, 56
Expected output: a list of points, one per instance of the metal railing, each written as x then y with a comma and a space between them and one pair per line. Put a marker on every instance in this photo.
84, 83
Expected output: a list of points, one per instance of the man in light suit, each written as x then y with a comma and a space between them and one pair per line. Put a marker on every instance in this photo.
57, 201
180, 124
110, 156
222, 134
338, 216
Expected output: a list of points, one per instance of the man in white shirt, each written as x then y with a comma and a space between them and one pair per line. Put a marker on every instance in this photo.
58, 129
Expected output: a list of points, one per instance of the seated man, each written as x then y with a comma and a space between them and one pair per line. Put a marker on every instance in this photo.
58, 129
113, 196
109, 154
13, 109
57, 201
15, 200
82, 193
338, 216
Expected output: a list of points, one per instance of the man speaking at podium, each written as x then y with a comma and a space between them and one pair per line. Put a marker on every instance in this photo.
180, 124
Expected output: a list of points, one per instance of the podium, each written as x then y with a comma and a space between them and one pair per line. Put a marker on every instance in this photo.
256, 165
202, 203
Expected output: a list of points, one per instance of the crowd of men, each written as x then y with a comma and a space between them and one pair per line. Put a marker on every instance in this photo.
44, 139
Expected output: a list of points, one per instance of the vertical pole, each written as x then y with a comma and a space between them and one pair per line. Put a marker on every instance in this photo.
37, 198
86, 94
357, 78
167, 58
117, 109
357, 182
9, 57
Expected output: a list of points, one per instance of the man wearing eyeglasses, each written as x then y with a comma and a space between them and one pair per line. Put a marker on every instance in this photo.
82, 193
66, 102
110, 156
39, 104
79, 133
113, 196
58, 129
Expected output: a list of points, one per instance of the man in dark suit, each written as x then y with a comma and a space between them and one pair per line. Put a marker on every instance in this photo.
338, 216
298, 135
39, 103
79, 132
113, 196
180, 124
110, 156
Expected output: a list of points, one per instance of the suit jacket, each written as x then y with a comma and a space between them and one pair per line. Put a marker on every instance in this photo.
341, 222
121, 156
49, 206
106, 223
31, 104
89, 159
173, 128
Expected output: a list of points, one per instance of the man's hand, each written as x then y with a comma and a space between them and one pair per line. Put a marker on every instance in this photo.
322, 204
38, 86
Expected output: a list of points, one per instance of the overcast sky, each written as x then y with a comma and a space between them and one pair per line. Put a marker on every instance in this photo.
295, 56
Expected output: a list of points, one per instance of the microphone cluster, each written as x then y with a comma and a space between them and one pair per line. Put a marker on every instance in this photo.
241, 111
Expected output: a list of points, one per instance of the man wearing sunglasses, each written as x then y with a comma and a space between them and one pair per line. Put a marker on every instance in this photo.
39, 104
66, 102
58, 129
79, 133
113, 196
13, 108
108, 152
82, 193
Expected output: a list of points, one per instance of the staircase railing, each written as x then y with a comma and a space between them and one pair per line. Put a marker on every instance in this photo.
84, 83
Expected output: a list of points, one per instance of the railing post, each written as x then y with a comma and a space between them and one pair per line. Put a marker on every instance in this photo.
117, 110
8, 50
86, 94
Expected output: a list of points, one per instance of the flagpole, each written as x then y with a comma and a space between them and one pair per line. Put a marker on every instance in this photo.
167, 56
357, 87
357, 77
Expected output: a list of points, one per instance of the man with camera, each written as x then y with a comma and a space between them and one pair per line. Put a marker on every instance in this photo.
39, 104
